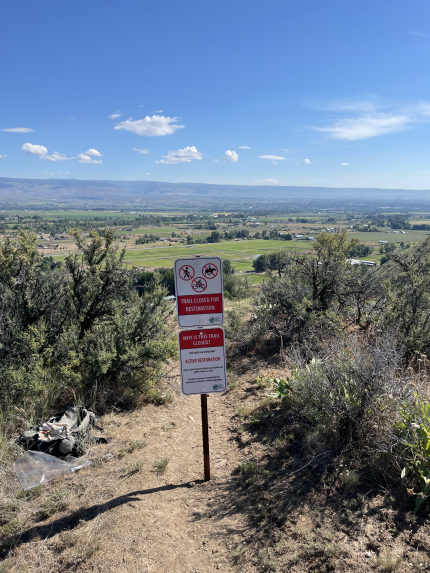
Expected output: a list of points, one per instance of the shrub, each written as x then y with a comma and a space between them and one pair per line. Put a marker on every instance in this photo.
80, 330
236, 287
227, 267
161, 466
408, 294
353, 395
259, 264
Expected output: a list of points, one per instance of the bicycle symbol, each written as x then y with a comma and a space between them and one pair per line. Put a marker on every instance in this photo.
186, 272
199, 284
210, 271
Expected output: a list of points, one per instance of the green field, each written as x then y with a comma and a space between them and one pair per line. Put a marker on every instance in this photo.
165, 232
241, 253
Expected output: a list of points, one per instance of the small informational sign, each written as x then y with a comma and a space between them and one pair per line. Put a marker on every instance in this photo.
199, 291
202, 358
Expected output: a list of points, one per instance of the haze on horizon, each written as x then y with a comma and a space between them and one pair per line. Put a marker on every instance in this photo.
285, 93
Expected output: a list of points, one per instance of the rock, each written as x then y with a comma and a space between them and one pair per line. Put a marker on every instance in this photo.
368, 554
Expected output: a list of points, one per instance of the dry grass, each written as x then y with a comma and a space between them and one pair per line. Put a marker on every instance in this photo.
54, 504
161, 466
133, 468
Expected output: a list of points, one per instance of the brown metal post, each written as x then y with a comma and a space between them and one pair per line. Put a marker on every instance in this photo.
205, 428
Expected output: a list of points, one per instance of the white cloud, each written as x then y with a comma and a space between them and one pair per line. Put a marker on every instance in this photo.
63, 173
273, 157
230, 156
42, 152
3, 156
56, 157
344, 163
364, 105
19, 130
115, 115
274, 163
39, 150
85, 158
185, 155
142, 151
266, 182
156, 125
158, 111
244, 147
366, 126
216, 160
373, 118
307, 162
148, 174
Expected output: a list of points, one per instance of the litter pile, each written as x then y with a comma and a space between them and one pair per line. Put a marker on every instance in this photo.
62, 436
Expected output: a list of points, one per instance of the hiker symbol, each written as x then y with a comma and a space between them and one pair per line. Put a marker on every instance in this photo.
186, 272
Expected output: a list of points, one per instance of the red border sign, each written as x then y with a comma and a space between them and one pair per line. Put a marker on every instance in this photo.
199, 300
196, 283
210, 271
189, 268
202, 360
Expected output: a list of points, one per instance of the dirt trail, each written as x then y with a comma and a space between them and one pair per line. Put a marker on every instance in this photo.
160, 523
144, 521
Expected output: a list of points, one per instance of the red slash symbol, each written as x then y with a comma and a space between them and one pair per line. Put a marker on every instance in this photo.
186, 272
199, 284
210, 271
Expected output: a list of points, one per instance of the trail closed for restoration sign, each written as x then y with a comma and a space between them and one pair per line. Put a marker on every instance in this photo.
202, 359
199, 291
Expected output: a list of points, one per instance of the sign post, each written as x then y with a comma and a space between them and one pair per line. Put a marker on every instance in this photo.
205, 429
200, 304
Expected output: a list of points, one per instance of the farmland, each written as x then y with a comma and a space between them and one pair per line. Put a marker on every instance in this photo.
170, 235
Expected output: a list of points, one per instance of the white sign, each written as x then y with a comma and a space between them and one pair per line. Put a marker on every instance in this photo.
199, 291
202, 359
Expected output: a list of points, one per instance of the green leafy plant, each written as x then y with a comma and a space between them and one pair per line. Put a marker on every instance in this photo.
283, 389
415, 432
247, 466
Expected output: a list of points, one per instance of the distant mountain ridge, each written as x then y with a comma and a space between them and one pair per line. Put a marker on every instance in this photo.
66, 190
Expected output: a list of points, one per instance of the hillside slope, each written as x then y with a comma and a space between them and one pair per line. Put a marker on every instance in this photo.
420, 252
270, 505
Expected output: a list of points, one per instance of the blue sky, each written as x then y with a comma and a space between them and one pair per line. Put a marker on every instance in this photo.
333, 93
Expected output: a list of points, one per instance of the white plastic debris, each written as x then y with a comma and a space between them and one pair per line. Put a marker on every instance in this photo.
36, 468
